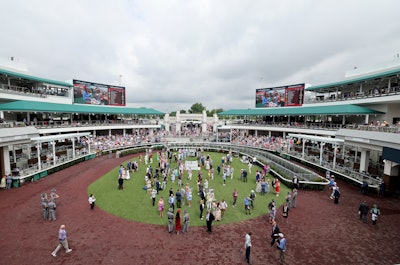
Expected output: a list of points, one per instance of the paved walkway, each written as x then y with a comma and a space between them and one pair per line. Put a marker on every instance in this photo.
318, 231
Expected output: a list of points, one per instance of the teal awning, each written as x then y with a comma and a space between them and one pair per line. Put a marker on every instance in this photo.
34, 106
296, 111
354, 80
33, 78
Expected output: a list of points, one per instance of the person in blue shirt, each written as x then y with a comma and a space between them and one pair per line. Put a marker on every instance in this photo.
246, 202
281, 245
86, 96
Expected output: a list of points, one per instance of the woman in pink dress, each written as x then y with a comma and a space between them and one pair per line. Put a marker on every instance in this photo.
161, 206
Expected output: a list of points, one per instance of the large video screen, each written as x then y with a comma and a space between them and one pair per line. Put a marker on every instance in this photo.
284, 96
98, 94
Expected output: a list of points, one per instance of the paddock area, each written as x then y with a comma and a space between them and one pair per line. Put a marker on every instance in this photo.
318, 231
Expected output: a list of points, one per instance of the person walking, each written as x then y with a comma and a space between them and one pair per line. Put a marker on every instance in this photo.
275, 233
252, 197
294, 198
170, 216
185, 222
161, 207
336, 195
201, 207
247, 246
91, 200
153, 196
62, 241
281, 245
285, 211
209, 220
8, 181
295, 182
235, 196
363, 210
178, 221
120, 183
375, 212
246, 202
44, 203
171, 201
51, 206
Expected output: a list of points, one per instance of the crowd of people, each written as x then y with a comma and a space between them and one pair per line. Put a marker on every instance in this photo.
171, 170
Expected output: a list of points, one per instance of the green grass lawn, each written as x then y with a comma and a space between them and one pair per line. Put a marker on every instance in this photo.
134, 203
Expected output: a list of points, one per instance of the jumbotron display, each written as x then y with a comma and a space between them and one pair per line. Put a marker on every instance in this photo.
98, 94
283, 96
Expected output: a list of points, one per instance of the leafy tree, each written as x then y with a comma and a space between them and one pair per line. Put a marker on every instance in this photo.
210, 113
183, 111
172, 114
197, 108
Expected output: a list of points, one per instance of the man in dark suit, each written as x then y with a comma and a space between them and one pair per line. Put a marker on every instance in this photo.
209, 219
275, 233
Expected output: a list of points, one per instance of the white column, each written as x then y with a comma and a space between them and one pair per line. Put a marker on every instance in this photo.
366, 118
73, 148
364, 160
321, 151
53, 143
38, 148
6, 157
304, 146
166, 122
28, 118
88, 144
14, 155
334, 155
355, 155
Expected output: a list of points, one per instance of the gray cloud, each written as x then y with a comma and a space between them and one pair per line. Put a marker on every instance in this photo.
172, 54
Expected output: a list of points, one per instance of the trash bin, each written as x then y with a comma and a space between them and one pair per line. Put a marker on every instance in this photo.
15, 183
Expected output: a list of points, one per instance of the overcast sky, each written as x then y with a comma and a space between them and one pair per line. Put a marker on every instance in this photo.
172, 54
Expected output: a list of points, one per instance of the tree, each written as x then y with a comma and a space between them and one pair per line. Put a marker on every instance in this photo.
197, 108
212, 112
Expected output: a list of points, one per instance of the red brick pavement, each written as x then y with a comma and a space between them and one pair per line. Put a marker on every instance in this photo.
318, 231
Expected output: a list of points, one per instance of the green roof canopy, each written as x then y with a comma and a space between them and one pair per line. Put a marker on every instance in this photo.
355, 80
33, 78
32, 106
295, 111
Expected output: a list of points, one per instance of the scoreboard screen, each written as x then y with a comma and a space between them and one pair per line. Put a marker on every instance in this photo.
284, 96
98, 94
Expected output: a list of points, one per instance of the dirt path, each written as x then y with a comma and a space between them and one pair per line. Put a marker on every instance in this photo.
318, 231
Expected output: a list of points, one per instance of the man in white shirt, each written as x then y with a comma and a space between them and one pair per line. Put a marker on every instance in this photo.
247, 246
